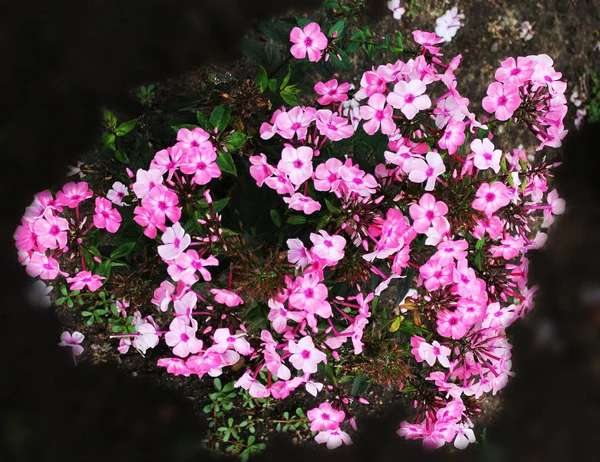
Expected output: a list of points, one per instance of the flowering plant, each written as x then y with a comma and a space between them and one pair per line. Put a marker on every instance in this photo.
396, 252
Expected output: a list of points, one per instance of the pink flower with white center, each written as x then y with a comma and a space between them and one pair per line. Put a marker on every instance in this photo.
225, 341
190, 140
464, 278
364, 184
72, 340
182, 338
227, 297
168, 160
510, 248
435, 274
427, 39
280, 182
331, 92
42, 266
498, 316
106, 216
174, 366
311, 296
450, 324
420, 171
85, 278
485, 155
146, 181
427, 213
325, 417
433, 352
453, 137
72, 194
147, 336
294, 122
493, 226
163, 202
328, 247
516, 72
297, 253
260, 169
377, 113
305, 355
308, 41
333, 438
117, 194
201, 164
492, 197
545, 74
302, 203
255, 388
51, 231
279, 316
409, 98
502, 99
175, 240
297, 163
332, 126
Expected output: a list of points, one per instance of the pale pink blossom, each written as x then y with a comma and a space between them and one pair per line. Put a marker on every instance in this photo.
294, 122
175, 240
332, 126
325, 417
333, 438
420, 171
42, 266
146, 181
378, 114
492, 197
227, 297
331, 92
434, 351
51, 231
486, 156
409, 98
516, 72
502, 99
328, 247
302, 203
117, 193
224, 341
427, 213
85, 278
182, 338
297, 163
168, 160
308, 41
175, 366
106, 216
73, 341
260, 169
305, 356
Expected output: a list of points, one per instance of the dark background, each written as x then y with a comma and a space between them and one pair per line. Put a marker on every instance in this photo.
62, 61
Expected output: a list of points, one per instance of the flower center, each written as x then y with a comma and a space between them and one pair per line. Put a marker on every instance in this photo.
490, 197
305, 354
409, 98
184, 337
308, 41
298, 164
502, 101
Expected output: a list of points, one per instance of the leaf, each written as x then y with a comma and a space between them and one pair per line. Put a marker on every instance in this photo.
332, 208
251, 440
226, 163
262, 79
236, 140
276, 218
179, 127
286, 79
123, 250
296, 220
479, 244
60, 300
337, 27
220, 204
272, 84
331, 4
342, 62
396, 323
108, 140
206, 409
126, 127
122, 156
302, 22
63, 289
360, 385
69, 303
203, 120
220, 117
276, 30
399, 41
217, 383
290, 95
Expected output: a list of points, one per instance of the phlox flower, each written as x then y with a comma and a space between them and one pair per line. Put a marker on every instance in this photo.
435, 274
147, 336
502, 99
377, 114
202, 164
427, 213
409, 97
371, 83
260, 169
255, 388
146, 181
356, 180
297, 253
332, 126
297, 163
492, 197
331, 92
42, 266
149, 220
51, 231
42, 201
450, 250
308, 41
509, 247
280, 182
434, 351
227, 297
448, 24
485, 155
333, 438
184, 306
516, 72
305, 355
279, 316
427, 40
168, 160
85, 278
556, 206
450, 324
294, 122
117, 193
464, 436
25, 238
73, 341
453, 137
106, 216
302, 203
420, 171
225, 341
396, 9
328, 247
174, 366
163, 202
498, 316
72, 194
182, 338
195, 139
175, 240
311, 296
325, 417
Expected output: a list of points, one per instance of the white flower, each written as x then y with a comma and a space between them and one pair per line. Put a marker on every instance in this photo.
76, 170
448, 24
39, 294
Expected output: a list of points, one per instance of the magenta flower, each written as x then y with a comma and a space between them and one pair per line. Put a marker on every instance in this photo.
190, 140
332, 126
73, 341
427, 39
420, 171
491, 197
85, 278
409, 97
502, 99
297, 163
294, 122
305, 355
255, 388
182, 338
450, 324
279, 316
227, 297
260, 169
42, 266
433, 352
377, 113
328, 247
327, 175
225, 341
174, 366
106, 216
51, 231
280, 182
309, 40
454, 136
302, 203
168, 160
311, 295
325, 417
516, 72
331, 92
201, 164
357, 180
163, 202
73, 194
297, 253
175, 241
485, 155
435, 274
149, 221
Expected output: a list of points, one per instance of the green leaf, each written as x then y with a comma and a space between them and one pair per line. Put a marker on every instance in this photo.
262, 79
251, 440
331, 4
226, 163
399, 41
220, 117
206, 409
108, 140
302, 22
480, 243
203, 120
237, 139
286, 79
290, 95
272, 84
122, 156
179, 127
109, 118
217, 383
63, 289
276, 218
69, 303
332, 208
396, 323
296, 220
60, 300
342, 62
220, 204
126, 127
123, 250
337, 27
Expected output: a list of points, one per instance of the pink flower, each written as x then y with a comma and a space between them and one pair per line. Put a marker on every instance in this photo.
201, 164
73, 194
454, 136
117, 194
42, 266
297, 163
409, 97
149, 221
429, 212
357, 180
485, 155
309, 40
175, 241
332, 126
333, 438
72, 340
163, 202
193, 140
450, 325
294, 122
260, 169
328, 247
255, 388
85, 278
227, 297
311, 296
51, 231
331, 93
502, 99
168, 160
182, 338
224, 341
297, 253
327, 175
491, 197
325, 417
377, 113
174, 366
436, 274
302, 203
427, 39
147, 336
434, 351
106, 216
305, 355
420, 171
279, 316
146, 181
516, 72
280, 182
